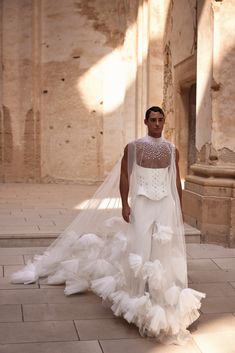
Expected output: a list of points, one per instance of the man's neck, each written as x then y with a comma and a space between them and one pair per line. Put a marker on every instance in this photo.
151, 138
155, 135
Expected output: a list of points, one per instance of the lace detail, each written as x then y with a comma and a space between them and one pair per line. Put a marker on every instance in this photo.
153, 153
152, 182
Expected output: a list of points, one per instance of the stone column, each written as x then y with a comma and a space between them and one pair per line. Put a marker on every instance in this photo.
1, 97
156, 22
20, 127
149, 54
209, 202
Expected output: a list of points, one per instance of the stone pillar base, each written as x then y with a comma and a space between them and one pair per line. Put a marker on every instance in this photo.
209, 203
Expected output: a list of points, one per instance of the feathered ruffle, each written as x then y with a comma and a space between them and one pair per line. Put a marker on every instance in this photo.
27, 275
104, 287
165, 309
135, 262
170, 318
163, 234
76, 285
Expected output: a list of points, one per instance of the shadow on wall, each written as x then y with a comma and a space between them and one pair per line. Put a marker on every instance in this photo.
66, 139
217, 147
88, 106
98, 94
215, 106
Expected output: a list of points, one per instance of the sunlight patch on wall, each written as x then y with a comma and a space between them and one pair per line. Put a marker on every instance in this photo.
115, 73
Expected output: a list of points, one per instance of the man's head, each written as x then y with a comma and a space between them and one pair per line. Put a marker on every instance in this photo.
154, 120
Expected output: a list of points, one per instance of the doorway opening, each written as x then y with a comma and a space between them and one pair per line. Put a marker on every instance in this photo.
185, 113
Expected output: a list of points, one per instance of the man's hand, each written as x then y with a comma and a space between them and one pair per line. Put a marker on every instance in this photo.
126, 211
124, 186
178, 180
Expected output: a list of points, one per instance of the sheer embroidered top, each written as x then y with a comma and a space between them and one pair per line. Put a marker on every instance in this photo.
153, 158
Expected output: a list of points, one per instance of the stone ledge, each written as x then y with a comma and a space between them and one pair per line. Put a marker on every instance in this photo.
192, 235
27, 240
206, 181
222, 171
210, 186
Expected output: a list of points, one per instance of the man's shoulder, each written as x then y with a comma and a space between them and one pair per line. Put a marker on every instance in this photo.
169, 142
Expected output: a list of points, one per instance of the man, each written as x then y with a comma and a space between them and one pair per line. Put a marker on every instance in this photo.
138, 265
154, 120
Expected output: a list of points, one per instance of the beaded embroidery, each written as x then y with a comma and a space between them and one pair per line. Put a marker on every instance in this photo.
153, 157
153, 153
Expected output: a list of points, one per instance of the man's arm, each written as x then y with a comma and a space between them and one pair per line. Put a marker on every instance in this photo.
178, 181
124, 186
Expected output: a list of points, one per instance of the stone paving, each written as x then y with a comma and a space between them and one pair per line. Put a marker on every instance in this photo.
34, 214
39, 318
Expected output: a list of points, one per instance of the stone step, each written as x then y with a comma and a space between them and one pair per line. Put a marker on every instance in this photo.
192, 235
27, 240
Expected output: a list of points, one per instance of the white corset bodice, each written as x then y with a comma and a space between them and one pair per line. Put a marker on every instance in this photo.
152, 182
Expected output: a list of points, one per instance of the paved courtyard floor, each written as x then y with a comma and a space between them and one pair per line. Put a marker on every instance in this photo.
39, 318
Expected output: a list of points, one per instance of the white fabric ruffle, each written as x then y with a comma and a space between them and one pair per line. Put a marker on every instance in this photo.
139, 267
135, 262
163, 233
27, 275
169, 312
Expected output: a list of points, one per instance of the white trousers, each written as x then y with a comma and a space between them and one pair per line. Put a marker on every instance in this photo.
146, 216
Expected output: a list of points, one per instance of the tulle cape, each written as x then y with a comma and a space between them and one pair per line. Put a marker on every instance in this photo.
98, 252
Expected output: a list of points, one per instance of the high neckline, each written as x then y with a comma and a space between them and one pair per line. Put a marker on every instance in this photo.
154, 139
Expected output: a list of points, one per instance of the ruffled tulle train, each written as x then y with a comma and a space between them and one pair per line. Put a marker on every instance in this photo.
138, 268
164, 310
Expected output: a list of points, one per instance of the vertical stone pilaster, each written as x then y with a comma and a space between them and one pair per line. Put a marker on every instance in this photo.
37, 89
156, 22
204, 73
142, 50
20, 87
1, 98
149, 52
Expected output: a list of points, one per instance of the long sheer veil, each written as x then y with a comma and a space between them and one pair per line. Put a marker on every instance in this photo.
101, 216
101, 252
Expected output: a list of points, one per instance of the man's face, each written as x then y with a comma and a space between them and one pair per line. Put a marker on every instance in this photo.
155, 124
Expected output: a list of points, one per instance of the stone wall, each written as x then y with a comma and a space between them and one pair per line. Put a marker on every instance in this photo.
211, 185
179, 72
215, 69
179, 44
199, 51
20, 114
197, 34
76, 80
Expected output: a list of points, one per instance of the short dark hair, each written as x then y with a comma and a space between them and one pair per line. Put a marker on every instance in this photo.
154, 109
